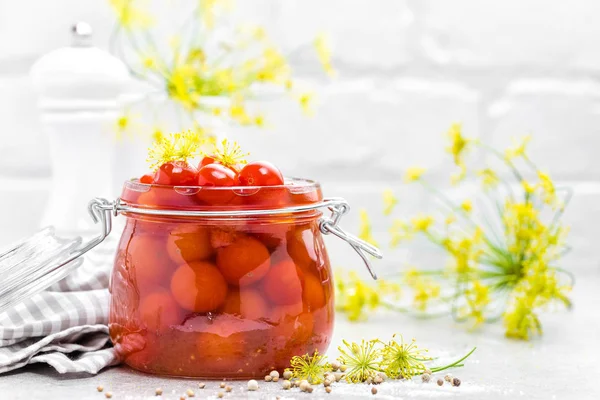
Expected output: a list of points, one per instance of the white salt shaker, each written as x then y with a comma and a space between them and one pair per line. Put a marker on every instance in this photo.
78, 89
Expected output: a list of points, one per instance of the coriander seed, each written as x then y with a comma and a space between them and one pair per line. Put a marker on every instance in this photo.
425, 378
252, 385
108, 395
228, 389
448, 378
190, 393
222, 385
158, 392
274, 374
377, 380
304, 385
374, 390
286, 385
335, 365
287, 374
220, 395
309, 389
456, 382
268, 378
202, 385
338, 376
100, 388
326, 382
440, 382
328, 389
343, 368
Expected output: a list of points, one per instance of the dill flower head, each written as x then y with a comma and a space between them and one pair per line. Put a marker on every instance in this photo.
401, 360
389, 201
174, 147
413, 174
519, 148
230, 154
309, 367
458, 143
362, 360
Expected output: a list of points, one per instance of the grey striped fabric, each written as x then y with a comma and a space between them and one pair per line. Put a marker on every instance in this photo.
65, 326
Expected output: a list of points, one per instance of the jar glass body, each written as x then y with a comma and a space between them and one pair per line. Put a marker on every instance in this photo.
218, 297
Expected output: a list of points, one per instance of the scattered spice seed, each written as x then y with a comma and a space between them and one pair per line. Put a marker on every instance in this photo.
287, 374
374, 390
335, 365
382, 375
228, 389
276, 379
202, 385
108, 395
181, 397
426, 378
328, 389
100, 388
326, 382
158, 392
343, 368
427, 371
448, 378
369, 380
222, 385
304, 385
377, 380
190, 393
274, 374
309, 389
220, 395
440, 382
252, 385
268, 378
338, 376
456, 382
286, 385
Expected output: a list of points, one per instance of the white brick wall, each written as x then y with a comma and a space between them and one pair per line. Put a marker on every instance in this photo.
407, 68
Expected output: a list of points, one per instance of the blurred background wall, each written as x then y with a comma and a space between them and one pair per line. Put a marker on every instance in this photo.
406, 71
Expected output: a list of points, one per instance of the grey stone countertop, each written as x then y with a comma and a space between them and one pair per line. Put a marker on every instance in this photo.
563, 364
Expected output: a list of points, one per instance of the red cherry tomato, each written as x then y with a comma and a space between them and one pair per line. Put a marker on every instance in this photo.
147, 179
205, 161
260, 173
176, 173
216, 175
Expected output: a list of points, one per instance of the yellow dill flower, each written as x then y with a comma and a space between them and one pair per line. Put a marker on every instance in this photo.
174, 147
401, 360
400, 231
365, 231
354, 297
459, 176
464, 251
389, 201
467, 206
519, 148
547, 189
424, 289
450, 219
323, 49
229, 154
361, 360
130, 15
489, 178
458, 143
527, 187
413, 174
478, 298
309, 367
422, 223
126, 124
306, 100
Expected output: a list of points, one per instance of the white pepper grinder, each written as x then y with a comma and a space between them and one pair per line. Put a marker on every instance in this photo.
79, 88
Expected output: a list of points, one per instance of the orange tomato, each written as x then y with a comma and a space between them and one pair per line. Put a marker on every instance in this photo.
244, 262
158, 311
198, 286
283, 283
247, 303
313, 293
148, 260
189, 242
301, 245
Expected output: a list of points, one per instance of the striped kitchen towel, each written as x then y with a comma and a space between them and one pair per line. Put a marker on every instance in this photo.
65, 326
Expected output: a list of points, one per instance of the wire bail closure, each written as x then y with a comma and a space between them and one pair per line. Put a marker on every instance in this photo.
101, 211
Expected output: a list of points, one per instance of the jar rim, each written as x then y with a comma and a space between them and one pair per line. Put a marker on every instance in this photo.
296, 185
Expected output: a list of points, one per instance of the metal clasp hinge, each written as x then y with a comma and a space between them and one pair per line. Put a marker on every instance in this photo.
339, 207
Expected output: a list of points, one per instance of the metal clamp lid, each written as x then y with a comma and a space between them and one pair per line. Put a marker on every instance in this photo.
338, 207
